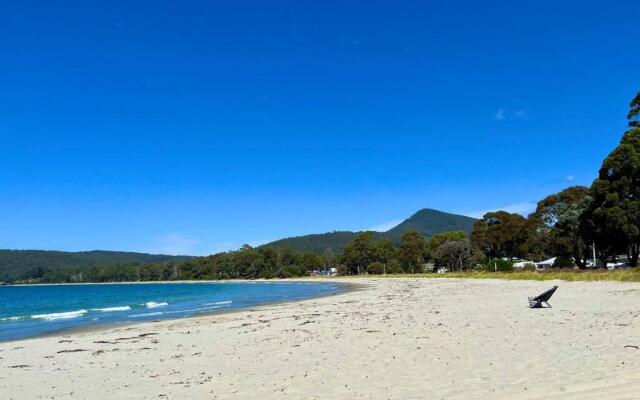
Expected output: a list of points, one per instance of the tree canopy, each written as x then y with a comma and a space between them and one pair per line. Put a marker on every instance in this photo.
634, 111
456, 255
500, 234
613, 218
413, 247
554, 228
564, 225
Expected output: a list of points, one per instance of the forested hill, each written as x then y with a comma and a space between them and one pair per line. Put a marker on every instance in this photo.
426, 221
39, 264
318, 243
15, 264
429, 223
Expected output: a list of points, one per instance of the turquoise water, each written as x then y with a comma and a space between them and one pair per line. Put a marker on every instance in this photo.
27, 311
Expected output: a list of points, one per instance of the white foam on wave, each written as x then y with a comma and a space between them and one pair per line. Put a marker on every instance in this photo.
218, 303
147, 314
112, 309
61, 315
12, 318
153, 304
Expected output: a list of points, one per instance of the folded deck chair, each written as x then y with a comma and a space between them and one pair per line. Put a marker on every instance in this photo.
536, 302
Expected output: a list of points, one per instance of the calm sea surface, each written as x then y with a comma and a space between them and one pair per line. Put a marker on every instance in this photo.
27, 311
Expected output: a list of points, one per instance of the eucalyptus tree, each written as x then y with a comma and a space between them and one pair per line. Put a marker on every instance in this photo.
554, 227
413, 248
456, 255
500, 234
358, 254
613, 218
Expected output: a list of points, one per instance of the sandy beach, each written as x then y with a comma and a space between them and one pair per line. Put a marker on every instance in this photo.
393, 339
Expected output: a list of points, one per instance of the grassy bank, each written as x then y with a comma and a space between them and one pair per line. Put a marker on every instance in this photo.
625, 275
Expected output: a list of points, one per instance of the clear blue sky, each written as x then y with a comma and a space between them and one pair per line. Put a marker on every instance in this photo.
197, 126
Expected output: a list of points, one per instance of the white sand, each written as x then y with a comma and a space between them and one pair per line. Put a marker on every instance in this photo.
398, 339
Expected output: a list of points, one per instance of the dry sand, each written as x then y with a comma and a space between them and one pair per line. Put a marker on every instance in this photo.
396, 339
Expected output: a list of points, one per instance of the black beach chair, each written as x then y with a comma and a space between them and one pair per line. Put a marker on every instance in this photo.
536, 302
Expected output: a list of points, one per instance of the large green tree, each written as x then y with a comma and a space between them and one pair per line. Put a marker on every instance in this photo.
613, 218
247, 262
270, 262
413, 248
442, 238
456, 255
358, 254
311, 261
554, 226
384, 251
500, 234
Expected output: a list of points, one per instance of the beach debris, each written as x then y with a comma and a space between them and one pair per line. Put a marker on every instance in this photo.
631, 346
142, 335
21, 366
72, 351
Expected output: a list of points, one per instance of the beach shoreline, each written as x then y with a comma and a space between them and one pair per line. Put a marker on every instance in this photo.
345, 287
399, 338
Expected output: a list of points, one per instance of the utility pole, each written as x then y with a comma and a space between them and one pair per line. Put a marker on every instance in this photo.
595, 261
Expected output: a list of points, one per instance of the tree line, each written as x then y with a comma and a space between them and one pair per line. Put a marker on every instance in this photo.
575, 223
571, 225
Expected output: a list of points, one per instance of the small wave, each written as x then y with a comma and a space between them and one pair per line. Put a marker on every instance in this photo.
12, 318
218, 303
147, 314
61, 315
112, 309
193, 310
153, 304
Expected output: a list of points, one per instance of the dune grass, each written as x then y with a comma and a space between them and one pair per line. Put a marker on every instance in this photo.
621, 275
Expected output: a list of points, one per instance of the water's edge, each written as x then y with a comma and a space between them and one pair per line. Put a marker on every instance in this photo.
346, 288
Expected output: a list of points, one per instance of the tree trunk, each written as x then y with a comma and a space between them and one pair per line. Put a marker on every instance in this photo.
634, 251
577, 257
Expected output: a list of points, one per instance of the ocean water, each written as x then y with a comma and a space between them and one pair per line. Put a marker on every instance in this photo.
28, 311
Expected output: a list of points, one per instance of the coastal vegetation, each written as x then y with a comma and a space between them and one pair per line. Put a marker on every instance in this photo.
564, 274
601, 222
35, 264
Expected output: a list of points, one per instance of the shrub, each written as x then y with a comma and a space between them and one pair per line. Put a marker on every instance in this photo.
497, 264
266, 274
394, 267
529, 267
343, 269
563, 262
376, 268
288, 271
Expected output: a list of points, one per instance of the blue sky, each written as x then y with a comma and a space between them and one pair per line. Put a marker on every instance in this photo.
197, 126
